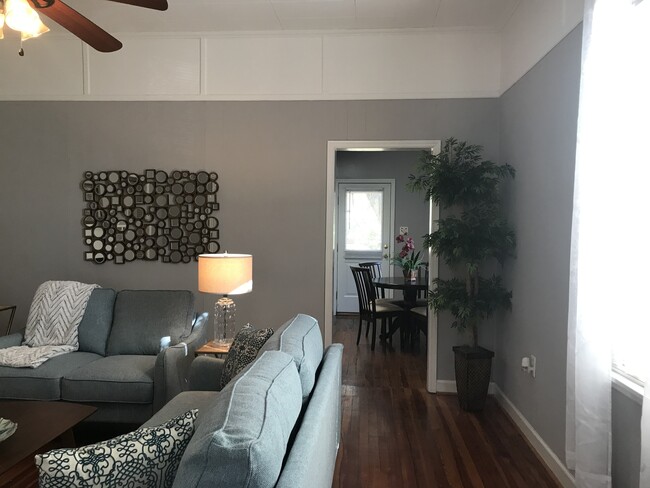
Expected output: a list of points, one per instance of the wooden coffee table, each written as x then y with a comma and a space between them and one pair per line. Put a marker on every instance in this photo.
42, 426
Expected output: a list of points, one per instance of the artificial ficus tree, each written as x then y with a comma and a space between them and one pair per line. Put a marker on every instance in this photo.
475, 231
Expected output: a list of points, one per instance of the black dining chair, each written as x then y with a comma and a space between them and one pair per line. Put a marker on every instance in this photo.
375, 272
369, 310
423, 272
420, 317
380, 293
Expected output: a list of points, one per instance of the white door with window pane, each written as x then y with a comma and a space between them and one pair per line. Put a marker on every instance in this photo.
364, 222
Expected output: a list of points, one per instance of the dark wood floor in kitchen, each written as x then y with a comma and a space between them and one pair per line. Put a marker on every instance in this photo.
396, 434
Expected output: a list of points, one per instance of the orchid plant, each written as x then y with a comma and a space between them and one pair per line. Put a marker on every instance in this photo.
403, 260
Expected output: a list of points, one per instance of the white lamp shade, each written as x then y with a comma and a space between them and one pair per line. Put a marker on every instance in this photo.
226, 274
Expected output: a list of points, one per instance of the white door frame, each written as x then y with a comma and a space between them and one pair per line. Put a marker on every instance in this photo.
330, 208
391, 217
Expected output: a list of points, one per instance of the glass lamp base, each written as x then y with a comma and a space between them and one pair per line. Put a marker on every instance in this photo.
224, 321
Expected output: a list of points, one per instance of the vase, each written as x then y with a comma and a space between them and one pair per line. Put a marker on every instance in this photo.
410, 274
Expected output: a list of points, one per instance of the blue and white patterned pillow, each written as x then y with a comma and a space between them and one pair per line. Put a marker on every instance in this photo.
147, 457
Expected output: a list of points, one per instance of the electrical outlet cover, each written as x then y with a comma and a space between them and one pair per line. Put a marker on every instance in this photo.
533, 366
403, 230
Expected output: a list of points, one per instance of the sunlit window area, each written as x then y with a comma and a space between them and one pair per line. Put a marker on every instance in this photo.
363, 221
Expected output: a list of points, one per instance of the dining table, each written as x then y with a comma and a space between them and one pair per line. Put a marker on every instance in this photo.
410, 289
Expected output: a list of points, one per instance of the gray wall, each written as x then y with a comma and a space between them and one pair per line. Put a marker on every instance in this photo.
271, 160
626, 441
411, 209
538, 137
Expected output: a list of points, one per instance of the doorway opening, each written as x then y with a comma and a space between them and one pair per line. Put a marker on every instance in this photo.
335, 148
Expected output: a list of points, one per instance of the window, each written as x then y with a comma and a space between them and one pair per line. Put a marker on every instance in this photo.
363, 221
630, 354
621, 49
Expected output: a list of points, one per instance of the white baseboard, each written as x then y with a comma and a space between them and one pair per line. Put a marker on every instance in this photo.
449, 386
558, 468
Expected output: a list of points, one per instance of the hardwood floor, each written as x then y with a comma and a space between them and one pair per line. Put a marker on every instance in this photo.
396, 434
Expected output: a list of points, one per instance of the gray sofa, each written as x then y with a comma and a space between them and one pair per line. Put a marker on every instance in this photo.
276, 424
119, 367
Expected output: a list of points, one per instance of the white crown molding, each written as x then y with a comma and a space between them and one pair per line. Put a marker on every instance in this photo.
249, 98
284, 33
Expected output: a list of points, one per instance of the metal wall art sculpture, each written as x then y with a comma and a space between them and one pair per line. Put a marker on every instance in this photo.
155, 216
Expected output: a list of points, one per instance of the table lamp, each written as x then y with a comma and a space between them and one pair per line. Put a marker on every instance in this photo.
225, 274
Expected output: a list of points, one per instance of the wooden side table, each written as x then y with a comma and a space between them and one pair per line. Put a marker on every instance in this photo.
212, 348
4, 308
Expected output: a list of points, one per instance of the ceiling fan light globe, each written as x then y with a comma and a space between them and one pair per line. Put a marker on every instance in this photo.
39, 29
23, 18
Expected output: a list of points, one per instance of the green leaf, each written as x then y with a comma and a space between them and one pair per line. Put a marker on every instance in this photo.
452, 295
475, 232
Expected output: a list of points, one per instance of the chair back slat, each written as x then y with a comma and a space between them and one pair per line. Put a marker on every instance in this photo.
374, 267
365, 289
375, 271
423, 270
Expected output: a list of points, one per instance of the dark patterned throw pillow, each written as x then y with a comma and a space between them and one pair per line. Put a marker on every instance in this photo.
147, 457
243, 351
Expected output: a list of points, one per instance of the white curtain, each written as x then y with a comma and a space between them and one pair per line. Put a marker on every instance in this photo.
610, 270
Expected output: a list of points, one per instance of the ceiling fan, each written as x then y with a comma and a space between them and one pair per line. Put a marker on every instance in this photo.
20, 15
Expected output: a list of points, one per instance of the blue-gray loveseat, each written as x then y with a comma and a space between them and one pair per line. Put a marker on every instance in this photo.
276, 424
119, 366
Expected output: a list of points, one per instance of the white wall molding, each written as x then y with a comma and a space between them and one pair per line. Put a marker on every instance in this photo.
330, 209
368, 65
537, 443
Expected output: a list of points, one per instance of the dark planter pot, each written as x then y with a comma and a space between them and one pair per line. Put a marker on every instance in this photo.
473, 366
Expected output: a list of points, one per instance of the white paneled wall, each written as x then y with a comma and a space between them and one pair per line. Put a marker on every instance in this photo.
152, 67
52, 69
399, 64
452, 64
253, 66
535, 27
269, 66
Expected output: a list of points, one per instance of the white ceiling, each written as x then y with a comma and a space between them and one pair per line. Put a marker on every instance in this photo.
290, 15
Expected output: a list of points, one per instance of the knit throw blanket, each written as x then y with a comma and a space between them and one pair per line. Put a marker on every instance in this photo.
52, 324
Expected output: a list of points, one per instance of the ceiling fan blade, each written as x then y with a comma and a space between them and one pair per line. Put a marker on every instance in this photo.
80, 26
154, 4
